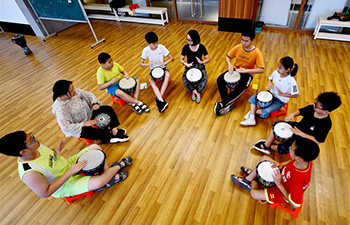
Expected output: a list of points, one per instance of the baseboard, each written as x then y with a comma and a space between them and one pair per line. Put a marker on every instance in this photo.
17, 28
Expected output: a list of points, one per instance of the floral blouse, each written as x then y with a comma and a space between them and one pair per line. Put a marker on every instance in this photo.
72, 113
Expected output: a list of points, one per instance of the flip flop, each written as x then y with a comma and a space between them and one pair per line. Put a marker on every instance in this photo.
126, 160
122, 176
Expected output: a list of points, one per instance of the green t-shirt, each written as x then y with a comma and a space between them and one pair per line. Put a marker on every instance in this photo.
104, 76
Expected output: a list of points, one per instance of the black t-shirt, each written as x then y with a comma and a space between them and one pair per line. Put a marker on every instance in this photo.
310, 125
191, 56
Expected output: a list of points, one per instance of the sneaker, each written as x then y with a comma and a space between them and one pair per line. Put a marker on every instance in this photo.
242, 181
248, 122
218, 106
226, 109
120, 132
247, 115
116, 139
161, 105
246, 170
260, 146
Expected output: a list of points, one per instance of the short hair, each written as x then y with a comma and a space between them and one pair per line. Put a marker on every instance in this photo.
195, 37
329, 100
249, 33
13, 143
103, 57
306, 149
151, 37
61, 87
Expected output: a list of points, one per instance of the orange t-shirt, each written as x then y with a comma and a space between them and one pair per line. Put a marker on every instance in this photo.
248, 60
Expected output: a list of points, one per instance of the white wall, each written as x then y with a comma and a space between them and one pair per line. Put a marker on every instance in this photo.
11, 13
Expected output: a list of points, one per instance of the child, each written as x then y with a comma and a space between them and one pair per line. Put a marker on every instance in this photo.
155, 53
282, 85
47, 173
291, 181
108, 76
194, 51
315, 124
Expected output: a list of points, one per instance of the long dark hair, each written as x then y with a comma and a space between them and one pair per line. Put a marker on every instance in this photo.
61, 87
288, 63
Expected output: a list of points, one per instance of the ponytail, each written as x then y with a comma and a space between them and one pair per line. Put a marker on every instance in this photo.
294, 71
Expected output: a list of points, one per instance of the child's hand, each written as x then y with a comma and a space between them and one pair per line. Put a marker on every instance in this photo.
76, 167
126, 76
114, 79
278, 90
60, 147
269, 85
161, 63
95, 107
231, 68
199, 61
150, 63
289, 118
276, 175
241, 70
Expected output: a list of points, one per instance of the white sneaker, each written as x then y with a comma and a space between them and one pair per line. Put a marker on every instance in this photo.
119, 139
247, 115
248, 122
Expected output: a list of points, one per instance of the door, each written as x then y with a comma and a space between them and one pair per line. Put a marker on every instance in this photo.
197, 10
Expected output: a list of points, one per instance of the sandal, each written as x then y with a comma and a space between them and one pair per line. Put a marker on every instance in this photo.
260, 146
144, 107
242, 181
127, 162
137, 109
246, 170
122, 176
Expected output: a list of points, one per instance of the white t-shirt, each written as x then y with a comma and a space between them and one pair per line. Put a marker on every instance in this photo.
287, 85
156, 55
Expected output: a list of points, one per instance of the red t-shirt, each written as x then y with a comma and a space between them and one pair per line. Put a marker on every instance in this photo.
295, 181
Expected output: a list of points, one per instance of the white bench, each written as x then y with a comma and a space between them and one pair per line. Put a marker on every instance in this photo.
139, 16
140, 13
331, 36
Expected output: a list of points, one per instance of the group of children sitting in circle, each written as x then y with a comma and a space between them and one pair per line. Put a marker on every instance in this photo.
49, 174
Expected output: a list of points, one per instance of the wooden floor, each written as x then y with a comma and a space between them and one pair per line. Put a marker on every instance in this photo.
183, 157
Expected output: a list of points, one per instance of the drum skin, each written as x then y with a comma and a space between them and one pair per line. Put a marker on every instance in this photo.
264, 99
282, 131
157, 74
264, 173
194, 75
127, 85
95, 162
103, 120
232, 79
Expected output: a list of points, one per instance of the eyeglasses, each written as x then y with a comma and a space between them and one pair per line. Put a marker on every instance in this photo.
188, 39
34, 140
315, 105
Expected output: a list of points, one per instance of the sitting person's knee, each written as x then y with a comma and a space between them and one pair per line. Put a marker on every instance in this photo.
94, 146
119, 92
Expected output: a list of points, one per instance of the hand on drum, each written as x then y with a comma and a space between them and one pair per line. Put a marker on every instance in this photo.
89, 123
241, 70
161, 63
277, 176
188, 64
95, 107
199, 61
289, 118
269, 85
59, 147
76, 167
231, 68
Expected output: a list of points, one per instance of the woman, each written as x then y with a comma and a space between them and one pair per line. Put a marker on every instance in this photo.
75, 110
194, 51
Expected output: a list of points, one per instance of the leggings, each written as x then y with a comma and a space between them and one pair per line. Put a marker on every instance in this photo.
243, 84
98, 133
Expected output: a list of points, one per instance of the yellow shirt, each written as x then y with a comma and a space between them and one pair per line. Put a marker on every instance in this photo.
246, 59
104, 76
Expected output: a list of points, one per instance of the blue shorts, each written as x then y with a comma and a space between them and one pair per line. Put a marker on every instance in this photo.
111, 89
275, 105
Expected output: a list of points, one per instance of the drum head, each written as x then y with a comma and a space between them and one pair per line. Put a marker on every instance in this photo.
264, 96
194, 75
282, 129
232, 78
94, 159
265, 170
127, 83
157, 72
103, 120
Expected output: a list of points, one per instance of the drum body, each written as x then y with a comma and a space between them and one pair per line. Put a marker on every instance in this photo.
95, 162
157, 73
232, 79
282, 131
103, 120
264, 99
127, 85
264, 173
194, 75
